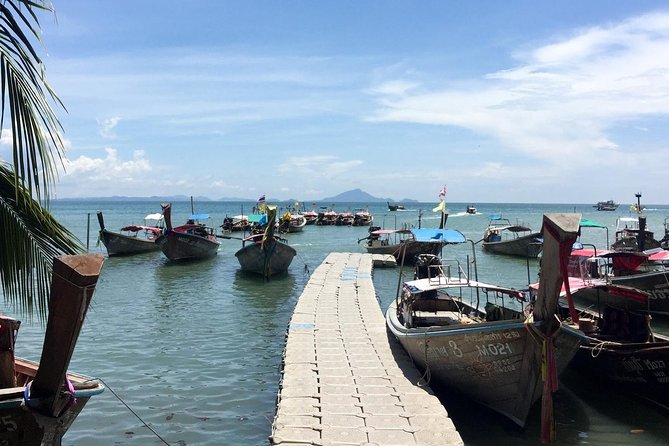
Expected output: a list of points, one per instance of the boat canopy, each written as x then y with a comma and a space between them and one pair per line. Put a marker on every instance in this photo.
258, 218
450, 236
157, 216
199, 216
390, 231
443, 283
591, 224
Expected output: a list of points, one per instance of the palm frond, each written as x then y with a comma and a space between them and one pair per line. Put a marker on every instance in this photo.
25, 93
30, 237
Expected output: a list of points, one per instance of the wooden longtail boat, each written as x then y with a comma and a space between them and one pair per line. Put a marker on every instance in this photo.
403, 244
40, 401
620, 346
187, 242
480, 346
133, 239
502, 237
264, 253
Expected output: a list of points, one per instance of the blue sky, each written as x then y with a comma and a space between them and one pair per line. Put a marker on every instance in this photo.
513, 101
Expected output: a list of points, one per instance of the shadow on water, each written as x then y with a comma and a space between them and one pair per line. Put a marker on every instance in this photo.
264, 294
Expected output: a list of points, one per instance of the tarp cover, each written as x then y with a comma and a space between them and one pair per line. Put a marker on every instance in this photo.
157, 216
591, 224
199, 216
445, 235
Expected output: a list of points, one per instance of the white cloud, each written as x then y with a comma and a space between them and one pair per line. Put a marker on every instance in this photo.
562, 100
107, 127
318, 166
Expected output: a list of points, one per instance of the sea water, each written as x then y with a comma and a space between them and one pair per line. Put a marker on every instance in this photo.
191, 352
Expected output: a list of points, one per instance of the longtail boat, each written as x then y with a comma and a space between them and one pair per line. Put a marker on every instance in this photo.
478, 339
131, 239
187, 242
264, 253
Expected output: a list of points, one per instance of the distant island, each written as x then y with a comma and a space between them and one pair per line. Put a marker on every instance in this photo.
351, 196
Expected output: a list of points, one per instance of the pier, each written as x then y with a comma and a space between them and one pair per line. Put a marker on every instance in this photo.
345, 380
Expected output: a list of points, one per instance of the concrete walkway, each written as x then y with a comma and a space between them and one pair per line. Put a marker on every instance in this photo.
345, 381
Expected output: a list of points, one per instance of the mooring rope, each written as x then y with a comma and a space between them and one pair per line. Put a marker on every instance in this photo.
133, 412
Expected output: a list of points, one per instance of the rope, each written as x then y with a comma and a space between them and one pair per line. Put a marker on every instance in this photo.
427, 375
597, 349
133, 412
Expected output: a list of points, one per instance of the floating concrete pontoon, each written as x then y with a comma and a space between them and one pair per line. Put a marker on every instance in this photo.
345, 381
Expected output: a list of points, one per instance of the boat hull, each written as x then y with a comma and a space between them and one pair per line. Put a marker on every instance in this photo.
655, 283
272, 259
640, 369
182, 246
494, 363
407, 249
121, 244
525, 246
23, 425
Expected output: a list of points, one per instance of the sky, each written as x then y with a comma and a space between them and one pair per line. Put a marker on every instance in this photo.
514, 101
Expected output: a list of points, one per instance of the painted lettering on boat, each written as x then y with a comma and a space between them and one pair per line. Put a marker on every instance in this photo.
492, 337
494, 349
494, 367
659, 293
442, 350
634, 364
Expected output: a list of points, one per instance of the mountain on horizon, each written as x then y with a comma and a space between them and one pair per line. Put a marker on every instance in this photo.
355, 195
351, 196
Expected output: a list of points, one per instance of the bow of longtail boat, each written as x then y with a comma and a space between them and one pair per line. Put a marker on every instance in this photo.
39, 402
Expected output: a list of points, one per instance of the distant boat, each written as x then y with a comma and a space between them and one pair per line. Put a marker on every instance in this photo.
502, 237
632, 235
395, 207
471, 209
237, 223
133, 239
362, 217
404, 244
187, 242
292, 222
265, 253
40, 401
608, 205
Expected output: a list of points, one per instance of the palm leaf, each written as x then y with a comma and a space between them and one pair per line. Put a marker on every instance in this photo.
30, 237
36, 130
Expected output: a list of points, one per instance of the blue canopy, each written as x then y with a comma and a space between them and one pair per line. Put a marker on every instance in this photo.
199, 216
432, 235
261, 219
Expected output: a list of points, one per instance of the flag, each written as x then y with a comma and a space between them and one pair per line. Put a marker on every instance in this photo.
440, 207
261, 199
442, 192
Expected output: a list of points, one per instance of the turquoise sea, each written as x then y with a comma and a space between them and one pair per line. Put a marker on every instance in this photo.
195, 349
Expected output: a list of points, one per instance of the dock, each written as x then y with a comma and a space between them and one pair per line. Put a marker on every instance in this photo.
345, 380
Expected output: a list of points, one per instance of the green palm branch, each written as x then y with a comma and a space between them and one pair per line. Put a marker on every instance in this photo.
29, 235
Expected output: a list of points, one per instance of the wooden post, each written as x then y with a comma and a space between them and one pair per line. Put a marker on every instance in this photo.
9, 327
